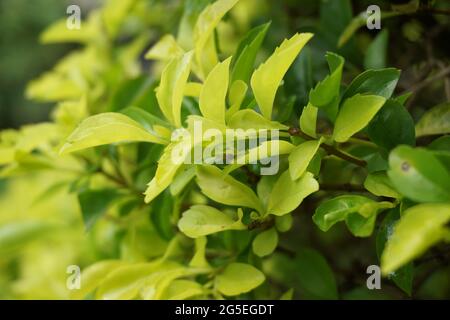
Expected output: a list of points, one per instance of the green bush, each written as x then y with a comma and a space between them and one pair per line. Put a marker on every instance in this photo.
112, 183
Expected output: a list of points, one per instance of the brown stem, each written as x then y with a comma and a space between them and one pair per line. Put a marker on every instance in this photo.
329, 149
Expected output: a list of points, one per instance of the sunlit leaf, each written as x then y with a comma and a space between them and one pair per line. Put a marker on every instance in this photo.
267, 78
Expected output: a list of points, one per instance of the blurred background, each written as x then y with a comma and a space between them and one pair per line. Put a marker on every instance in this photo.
418, 44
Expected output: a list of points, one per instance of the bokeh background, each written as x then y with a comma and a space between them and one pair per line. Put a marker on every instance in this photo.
417, 44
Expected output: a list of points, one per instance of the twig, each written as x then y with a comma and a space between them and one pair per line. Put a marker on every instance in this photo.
329, 149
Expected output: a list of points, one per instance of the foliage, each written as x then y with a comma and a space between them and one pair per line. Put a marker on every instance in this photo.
147, 227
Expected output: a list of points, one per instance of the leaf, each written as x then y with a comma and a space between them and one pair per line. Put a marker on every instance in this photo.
245, 56
182, 290
125, 282
327, 90
357, 211
379, 184
238, 278
284, 223
392, 126
149, 122
355, 115
171, 89
207, 21
419, 175
375, 82
267, 78
214, 92
301, 156
236, 96
308, 120
288, 194
225, 189
315, 276
92, 277
171, 160
181, 180
201, 220
166, 48
94, 203
265, 243
107, 128
420, 227
250, 119
403, 277
58, 32
434, 121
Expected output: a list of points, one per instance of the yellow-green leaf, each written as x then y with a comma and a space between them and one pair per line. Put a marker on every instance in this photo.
171, 89
238, 278
288, 194
225, 189
419, 228
267, 78
265, 243
166, 48
168, 165
301, 156
214, 92
205, 52
106, 128
201, 220
355, 115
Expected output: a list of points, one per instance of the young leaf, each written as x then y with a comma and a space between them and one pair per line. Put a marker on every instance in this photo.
301, 156
125, 282
206, 57
375, 82
392, 126
107, 128
379, 184
168, 165
284, 223
420, 227
214, 92
265, 243
267, 78
435, 121
419, 175
238, 278
326, 91
238, 90
244, 59
250, 119
308, 120
166, 48
355, 115
202, 220
288, 194
171, 89
225, 189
